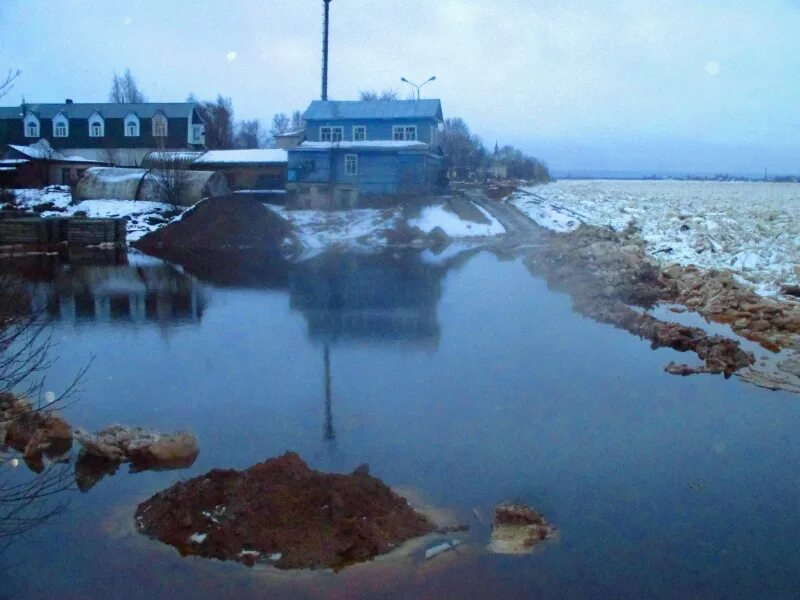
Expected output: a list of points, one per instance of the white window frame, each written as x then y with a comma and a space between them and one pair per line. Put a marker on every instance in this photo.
357, 128
31, 121
404, 133
328, 131
60, 126
351, 159
160, 120
132, 119
197, 133
96, 119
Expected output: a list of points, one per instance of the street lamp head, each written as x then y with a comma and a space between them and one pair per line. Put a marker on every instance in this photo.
404, 80
432, 79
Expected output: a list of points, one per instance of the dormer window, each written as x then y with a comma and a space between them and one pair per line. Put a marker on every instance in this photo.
198, 134
331, 134
31, 126
404, 133
131, 125
159, 125
96, 126
60, 126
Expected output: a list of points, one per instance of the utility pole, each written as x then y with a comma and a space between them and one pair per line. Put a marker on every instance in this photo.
325, 27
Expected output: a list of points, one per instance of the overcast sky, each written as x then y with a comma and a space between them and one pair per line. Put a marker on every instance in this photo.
677, 85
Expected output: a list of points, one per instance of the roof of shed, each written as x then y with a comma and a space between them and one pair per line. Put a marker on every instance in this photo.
107, 110
252, 156
380, 109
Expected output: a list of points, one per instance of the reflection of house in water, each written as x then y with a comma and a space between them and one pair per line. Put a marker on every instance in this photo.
121, 293
346, 297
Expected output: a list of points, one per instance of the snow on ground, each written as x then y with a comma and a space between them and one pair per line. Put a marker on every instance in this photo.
356, 229
752, 229
143, 217
438, 216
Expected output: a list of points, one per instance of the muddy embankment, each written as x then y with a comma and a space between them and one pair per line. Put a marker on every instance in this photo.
612, 280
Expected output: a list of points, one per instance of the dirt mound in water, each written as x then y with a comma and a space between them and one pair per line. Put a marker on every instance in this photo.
224, 224
282, 512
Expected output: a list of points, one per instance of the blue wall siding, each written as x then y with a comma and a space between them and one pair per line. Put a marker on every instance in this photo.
379, 173
377, 129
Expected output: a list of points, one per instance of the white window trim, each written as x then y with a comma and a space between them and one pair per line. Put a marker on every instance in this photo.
331, 129
160, 118
348, 158
403, 131
96, 119
132, 119
28, 121
59, 122
197, 131
356, 127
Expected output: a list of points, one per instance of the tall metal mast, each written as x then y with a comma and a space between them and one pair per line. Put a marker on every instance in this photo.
325, 50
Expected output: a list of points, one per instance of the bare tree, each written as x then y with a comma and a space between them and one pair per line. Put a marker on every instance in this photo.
373, 96
169, 175
218, 117
248, 134
124, 89
280, 124
7, 83
298, 122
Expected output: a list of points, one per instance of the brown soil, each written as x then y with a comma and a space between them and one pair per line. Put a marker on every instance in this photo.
35, 433
607, 273
517, 528
229, 223
283, 511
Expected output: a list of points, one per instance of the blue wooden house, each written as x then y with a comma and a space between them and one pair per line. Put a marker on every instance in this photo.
366, 154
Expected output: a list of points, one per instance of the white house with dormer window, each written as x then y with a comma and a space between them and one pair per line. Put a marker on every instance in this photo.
119, 133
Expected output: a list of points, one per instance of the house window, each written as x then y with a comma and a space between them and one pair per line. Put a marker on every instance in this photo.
61, 130
331, 134
159, 126
95, 129
404, 133
359, 133
131, 129
351, 164
197, 134
32, 130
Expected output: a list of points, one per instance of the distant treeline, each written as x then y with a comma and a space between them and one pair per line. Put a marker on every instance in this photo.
464, 151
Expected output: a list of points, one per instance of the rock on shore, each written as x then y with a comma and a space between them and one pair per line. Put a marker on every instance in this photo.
517, 528
284, 513
33, 432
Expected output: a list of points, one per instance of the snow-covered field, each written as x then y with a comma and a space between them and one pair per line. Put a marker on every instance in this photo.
143, 217
752, 229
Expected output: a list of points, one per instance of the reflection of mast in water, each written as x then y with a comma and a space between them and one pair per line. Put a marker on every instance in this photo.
328, 433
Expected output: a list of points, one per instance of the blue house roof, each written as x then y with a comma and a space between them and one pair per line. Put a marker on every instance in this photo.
381, 109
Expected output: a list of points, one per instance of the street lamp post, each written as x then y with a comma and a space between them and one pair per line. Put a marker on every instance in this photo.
415, 86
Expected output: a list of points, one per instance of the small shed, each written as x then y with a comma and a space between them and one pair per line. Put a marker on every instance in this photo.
145, 184
38, 165
255, 169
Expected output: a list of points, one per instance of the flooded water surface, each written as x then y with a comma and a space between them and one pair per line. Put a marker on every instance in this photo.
463, 379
